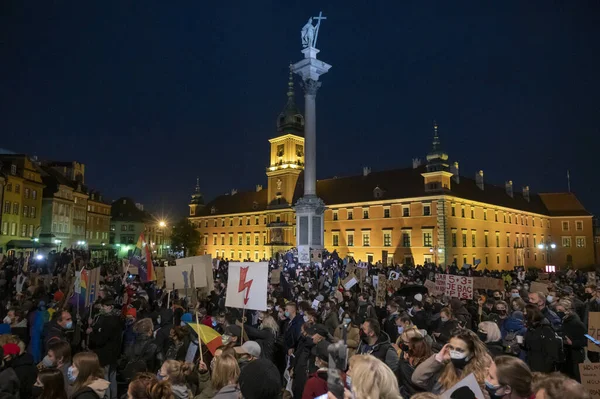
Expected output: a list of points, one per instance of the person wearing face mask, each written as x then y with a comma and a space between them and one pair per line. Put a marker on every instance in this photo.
23, 366
265, 335
442, 333
539, 299
365, 310
85, 376
177, 350
501, 314
49, 385
352, 333
415, 351
56, 330
105, 341
389, 324
542, 349
578, 305
592, 304
316, 385
573, 333
291, 335
18, 324
462, 355
377, 343
330, 316
489, 333
508, 378
59, 357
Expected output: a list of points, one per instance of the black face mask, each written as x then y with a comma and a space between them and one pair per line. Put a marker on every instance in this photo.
404, 347
459, 363
37, 391
492, 392
482, 336
587, 296
561, 314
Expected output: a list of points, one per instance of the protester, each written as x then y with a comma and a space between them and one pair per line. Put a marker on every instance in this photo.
462, 355
557, 386
247, 353
539, 299
22, 364
573, 332
292, 328
316, 385
539, 341
414, 352
352, 333
143, 354
176, 372
372, 379
508, 378
265, 335
49, 385
147, 386
377, 343
223, 382
57, 329
86, 376
59, 357
489, 333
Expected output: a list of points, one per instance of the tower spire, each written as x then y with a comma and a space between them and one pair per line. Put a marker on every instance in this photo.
436, 138
290, 120
436, 154
290, 92
197, 184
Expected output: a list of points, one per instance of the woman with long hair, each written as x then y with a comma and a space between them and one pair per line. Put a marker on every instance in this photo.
176, 349
147, 386
443, 331
49, 385
223, 381
508, 377
415, 350
176, 372
462, 355
352, 333
372, 379
87, 377
265, 335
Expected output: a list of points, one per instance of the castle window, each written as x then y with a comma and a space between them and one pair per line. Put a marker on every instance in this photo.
280, 150
426, 210
299, 150
386, 212
350, 215
335, 215
453, 210
406, 210
212, 211
365, 213
579, 225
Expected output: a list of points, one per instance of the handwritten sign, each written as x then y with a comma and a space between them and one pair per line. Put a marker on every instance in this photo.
590, 378
594, 330
381, 290
440, 283
394, 276
431, 288
247, 285
315, 305
275, 276
349, 282
539, 287
459, 287
488, 283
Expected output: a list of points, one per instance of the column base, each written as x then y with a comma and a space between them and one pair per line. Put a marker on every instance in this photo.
309, 225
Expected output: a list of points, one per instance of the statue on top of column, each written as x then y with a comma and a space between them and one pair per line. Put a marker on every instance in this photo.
310, 32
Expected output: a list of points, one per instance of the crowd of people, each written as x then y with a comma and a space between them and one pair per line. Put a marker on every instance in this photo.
313, 339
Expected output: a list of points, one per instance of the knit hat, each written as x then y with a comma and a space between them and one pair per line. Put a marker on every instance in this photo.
187, 317
58, 296
11, 349
260, 381
131, 312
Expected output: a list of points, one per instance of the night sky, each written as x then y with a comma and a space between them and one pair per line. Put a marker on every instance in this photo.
151, 94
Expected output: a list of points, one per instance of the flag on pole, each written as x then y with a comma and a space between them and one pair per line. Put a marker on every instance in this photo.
142, 259
93, 283
209, 337
83, 284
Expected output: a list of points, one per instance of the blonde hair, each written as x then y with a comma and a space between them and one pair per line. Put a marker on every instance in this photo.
225, 371
492, 331
89, 370
372, 378
177, 371
269, 322
478, 365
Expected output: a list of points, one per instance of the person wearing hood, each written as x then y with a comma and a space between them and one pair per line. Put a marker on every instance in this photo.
23, 366
144, 351
316, 385
573, 338
176, 372
85, 374
377, 343
165, 323
105, 340
462, 355
538, 341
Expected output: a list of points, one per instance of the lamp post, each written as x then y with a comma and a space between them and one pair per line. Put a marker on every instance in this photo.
547, 246
435, 251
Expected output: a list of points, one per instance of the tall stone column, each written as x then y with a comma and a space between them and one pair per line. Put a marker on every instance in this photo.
309, 209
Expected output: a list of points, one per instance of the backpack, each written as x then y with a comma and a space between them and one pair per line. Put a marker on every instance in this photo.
553, 345
511, 345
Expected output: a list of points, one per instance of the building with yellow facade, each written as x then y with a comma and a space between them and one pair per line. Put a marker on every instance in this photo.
20, 218
423, 213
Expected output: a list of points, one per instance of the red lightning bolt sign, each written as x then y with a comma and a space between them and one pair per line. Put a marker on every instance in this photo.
244, 285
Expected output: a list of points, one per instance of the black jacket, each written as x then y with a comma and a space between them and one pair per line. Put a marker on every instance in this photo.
53, 333
265, 338
538, 344
87, 393
404, 374
445, 330
390, 327
421, 320
495, 348
574, 329
143, 349
162, 334
9, 382
26, 372
292, 332
382, 350
105, 339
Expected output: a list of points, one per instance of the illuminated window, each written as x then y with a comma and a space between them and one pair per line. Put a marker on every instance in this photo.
366, 238
464, 238
387, 238
350, 235
454, 238
406, 239
566, 242
427, 239
473, 239
580, 242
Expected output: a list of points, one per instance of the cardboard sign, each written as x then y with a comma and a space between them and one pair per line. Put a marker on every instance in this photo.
488, 283
362, 265
430, 285
459, 287
394, 276
440, 283
538, 287
381, 290
316, 255
204, 277
247, 285
349, 282
590, 378
275, 276
467, 383
303, 254
160, 276
594, 330
543, 276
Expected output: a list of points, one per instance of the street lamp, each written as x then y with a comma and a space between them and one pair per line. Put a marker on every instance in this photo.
547, 246
435, 250
162, 223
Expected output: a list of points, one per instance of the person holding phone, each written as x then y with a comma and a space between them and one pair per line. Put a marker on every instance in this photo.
574, 340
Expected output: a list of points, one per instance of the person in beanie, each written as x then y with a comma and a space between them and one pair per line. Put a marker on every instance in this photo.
261, 381
317, 382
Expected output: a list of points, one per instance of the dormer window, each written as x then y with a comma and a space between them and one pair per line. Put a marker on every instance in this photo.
255, 205
13, 169
377, 192
299, 150
213, 210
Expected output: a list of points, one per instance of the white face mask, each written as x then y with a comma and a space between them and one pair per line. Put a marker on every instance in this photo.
457, 355
550, 298
6, 320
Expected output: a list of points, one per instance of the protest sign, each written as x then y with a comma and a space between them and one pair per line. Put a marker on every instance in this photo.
349, 282
303, 254
430, 285
316, 255
521, 276
275, 276
362, 265
440, 283
594, 330
538, 287
590, 378
203, 270
160, 276
381, 290
186, 276
469, 383
247, 285
395, 284
362, 275
375, 280
394, 276
315, 304
459, 287
488, 283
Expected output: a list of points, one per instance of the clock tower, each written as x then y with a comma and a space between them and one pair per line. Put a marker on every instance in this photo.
287, 153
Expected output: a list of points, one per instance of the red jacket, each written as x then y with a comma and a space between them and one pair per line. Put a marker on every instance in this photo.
316, 385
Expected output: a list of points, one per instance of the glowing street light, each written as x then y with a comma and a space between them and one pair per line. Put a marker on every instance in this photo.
162, 223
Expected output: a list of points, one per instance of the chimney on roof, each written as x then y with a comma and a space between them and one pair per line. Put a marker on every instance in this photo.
509, 188
454, 171
479, 179
366, 171
233, 191
100, 198
416, 162
258, 187
526, 193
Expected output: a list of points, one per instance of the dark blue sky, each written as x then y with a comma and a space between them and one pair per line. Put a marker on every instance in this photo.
150, 94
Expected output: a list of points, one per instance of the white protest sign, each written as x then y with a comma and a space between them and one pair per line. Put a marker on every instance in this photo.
375, 280
393, 276
247, 285
303, 254
181, 276
440, 284
459, 287
203, 270
469, 383
315, 305
350, 283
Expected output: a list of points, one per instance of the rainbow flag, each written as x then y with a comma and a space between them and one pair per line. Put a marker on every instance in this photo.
142, 259
83, 284
210, 337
